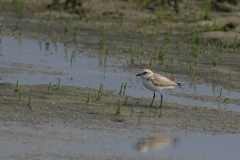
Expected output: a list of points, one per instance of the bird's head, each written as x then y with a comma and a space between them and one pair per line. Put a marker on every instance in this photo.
145, 73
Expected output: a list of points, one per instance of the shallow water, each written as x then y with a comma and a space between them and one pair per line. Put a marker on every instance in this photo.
51, 61
62, 141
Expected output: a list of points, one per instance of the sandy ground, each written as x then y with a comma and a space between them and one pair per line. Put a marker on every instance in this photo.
68, 105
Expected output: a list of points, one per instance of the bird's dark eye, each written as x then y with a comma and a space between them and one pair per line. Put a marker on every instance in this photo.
144, 72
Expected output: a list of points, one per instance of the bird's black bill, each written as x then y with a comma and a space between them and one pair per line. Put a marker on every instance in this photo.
138, 74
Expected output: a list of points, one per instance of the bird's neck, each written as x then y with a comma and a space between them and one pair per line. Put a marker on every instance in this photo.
147, 76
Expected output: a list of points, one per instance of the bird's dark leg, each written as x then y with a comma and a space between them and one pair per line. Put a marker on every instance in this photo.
152, 100
161, 101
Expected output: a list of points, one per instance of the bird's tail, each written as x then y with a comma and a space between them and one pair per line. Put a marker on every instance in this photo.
180, 85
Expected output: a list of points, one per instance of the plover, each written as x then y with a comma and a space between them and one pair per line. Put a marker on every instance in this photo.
156, 82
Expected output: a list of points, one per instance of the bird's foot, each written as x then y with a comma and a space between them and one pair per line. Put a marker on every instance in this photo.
151, 107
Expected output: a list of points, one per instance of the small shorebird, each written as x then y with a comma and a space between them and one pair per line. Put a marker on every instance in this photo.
156, 82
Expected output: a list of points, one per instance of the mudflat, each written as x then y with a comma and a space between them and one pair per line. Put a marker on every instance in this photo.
74, 122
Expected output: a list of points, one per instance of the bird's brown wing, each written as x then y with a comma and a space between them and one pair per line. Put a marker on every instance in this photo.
162, 81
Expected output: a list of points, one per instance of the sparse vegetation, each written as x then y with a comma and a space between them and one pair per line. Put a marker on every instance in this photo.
102, 41
132, 110
125, 103
119, 109
125, 86
168, 36
49, 89
16, 89
88, 100
100, 91
67, 25
153, 33
59, 81
103, 116
161, 53
120, 92
150, 64
196, 59
160, 115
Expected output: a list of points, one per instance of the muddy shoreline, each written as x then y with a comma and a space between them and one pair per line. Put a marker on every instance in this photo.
123, 41
70, 104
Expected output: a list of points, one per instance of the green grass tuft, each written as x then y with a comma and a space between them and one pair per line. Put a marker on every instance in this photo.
119, 110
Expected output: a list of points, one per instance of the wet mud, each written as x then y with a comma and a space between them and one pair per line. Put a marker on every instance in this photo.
189, 57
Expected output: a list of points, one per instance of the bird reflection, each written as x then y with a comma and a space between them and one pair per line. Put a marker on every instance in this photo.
153, 143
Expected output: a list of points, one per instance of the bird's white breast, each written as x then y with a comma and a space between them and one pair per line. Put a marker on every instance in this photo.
149, 85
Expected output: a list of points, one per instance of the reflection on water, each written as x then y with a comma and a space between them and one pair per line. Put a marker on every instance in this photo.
47, 46
153, 143
211, 90
188, 147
